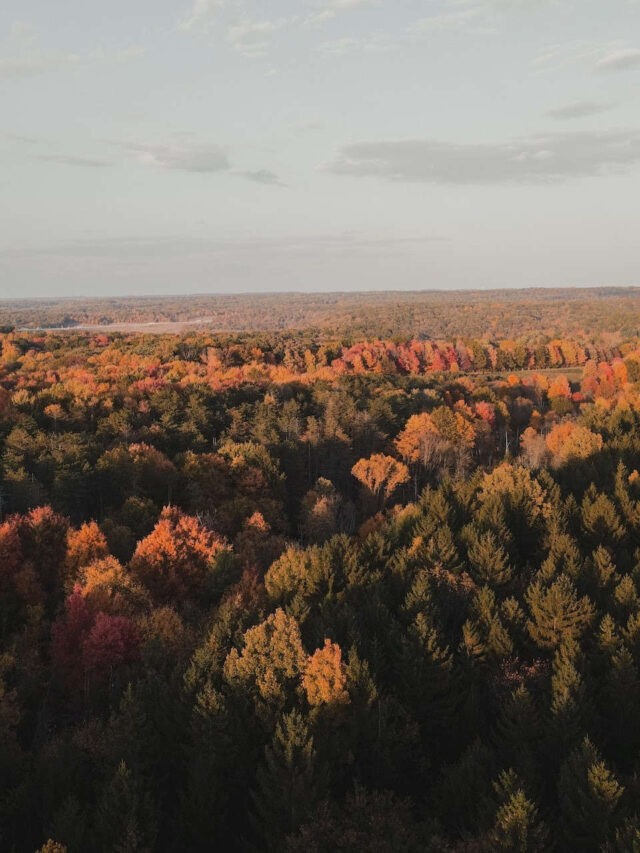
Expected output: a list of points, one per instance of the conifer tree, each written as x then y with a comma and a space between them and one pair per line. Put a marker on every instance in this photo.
485, 617
124, 819
211, 772
629, 508
517, 735
603, 570
608, 636
464, 794
69, 824
589, 795
289, 781
373, 821
627, 838
557, 614
563, 555
622, 693
429, 683
489, 561
600, 520
569, 706
517, 827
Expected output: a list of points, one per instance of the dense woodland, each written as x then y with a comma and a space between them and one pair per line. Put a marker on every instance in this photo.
601, 315
286, 592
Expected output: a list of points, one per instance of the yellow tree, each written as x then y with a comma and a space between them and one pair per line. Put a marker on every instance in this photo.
417, 441
84, 546
380, 475
325, 676
571, 441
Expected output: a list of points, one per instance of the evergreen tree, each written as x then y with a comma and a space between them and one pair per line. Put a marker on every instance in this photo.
464, 795
289, 781
488, 625
517, 827
489, 561
557, 614
517, 735
569, 705
600, 520
124, 817
589, 795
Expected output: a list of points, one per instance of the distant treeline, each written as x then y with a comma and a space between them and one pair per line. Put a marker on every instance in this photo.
604, 315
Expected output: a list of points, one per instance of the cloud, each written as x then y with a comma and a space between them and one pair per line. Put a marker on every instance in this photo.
375, 43
472, 20
305, 126
579, 109
263, 176
350, 4
25, 140
23, 31
186, 158
201, 15
540, 159
336, 6
29, 66
619, 60
250, 37
601, 58
35, 63
185, 155
320, 17
464, 19
70, 160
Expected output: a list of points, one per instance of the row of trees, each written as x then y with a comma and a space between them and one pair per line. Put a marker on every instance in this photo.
276, 358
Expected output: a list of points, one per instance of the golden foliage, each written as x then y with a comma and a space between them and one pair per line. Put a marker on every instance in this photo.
325, 677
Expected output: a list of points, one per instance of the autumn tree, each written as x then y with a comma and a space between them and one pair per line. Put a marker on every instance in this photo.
178, 557
270, 663
324, 679
320, 508
381, 476
569, 441
84, 546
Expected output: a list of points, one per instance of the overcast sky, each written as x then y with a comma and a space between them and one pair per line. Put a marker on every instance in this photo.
181, 146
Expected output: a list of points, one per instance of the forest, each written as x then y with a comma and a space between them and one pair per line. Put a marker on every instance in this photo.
323, 588
602, 315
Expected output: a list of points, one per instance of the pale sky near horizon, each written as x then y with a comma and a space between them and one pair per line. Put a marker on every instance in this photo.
183, 146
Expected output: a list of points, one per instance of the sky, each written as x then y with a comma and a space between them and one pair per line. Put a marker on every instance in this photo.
194, 146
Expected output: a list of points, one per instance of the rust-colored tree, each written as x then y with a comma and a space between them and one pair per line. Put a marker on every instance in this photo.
177, 558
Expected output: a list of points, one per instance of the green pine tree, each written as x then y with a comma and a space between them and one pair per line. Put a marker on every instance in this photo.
124, 819
589, 795
517, 735
288, 781
488, 559
517, 827
557, 615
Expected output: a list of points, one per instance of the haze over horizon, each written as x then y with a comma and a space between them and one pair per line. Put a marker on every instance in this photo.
196, 146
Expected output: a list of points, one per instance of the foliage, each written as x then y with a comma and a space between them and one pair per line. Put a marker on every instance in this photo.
313, 591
